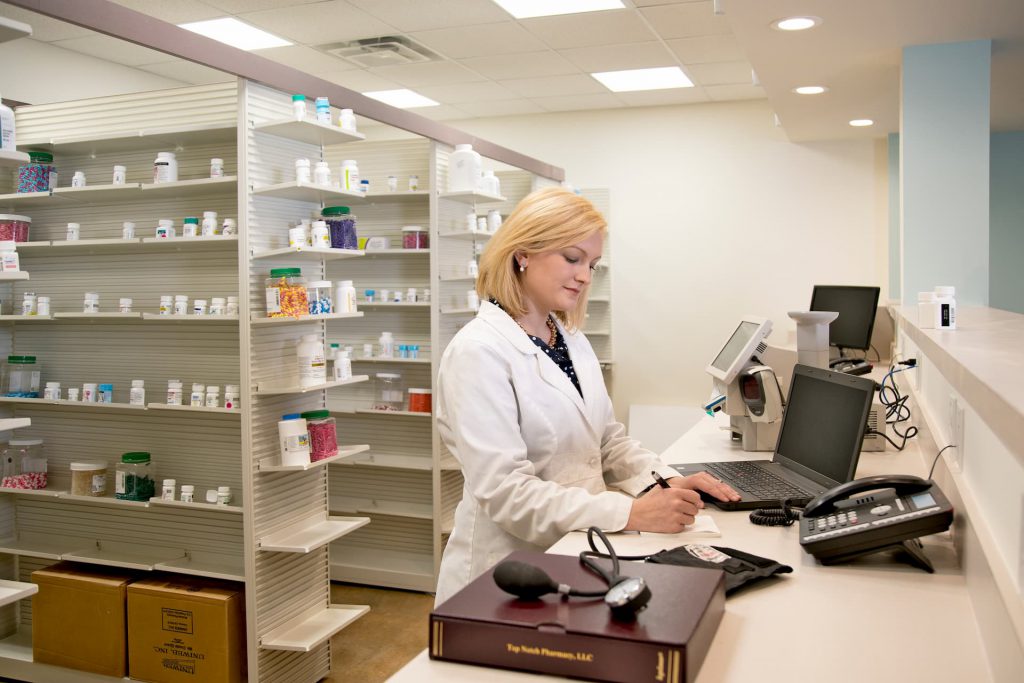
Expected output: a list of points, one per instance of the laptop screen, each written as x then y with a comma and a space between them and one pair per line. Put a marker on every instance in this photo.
823, 428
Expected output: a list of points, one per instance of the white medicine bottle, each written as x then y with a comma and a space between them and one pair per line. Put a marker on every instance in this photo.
312, 363
345, 296
137, 395
7, 137
464, 170
387, 345
945, 308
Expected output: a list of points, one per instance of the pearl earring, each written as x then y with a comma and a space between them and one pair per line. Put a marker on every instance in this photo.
522, 268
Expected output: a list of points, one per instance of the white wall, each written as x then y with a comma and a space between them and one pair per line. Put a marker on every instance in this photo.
714, 214
40, 73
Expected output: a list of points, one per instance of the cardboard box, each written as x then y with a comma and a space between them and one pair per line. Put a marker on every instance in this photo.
186, 629
78, 617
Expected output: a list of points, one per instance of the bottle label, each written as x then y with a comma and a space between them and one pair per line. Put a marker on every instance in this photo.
99, 483
119, 482
137, 397
273, 300
298, 443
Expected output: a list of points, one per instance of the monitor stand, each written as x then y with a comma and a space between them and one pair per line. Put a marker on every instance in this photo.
812, 336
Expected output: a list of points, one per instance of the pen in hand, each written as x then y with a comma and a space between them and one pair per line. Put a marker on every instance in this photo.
661, 481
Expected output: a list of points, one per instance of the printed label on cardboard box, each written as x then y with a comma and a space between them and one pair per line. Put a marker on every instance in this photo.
177, 620
175, 655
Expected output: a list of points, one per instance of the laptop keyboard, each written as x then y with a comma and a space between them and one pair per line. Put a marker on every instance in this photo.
756, 480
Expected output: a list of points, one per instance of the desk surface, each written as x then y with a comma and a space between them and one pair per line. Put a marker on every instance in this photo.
873, 619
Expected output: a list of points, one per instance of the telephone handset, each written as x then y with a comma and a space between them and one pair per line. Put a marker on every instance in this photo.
894, 511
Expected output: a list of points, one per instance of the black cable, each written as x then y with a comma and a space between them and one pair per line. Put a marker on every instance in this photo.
878, 356
936, 460
784, 515
587, 561
898, 447
896, 410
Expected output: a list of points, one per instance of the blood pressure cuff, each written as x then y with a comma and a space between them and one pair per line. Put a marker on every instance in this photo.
740, 568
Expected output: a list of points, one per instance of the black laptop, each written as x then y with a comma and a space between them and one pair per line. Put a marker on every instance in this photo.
818, 448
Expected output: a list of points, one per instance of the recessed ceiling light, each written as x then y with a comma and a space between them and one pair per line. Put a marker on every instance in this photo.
525, 9
796, 23
235, 33
660, 78
860, 123
402, 98
810, 90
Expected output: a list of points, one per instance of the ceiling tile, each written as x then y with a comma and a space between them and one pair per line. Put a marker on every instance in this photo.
423, 15
578, 102
467, 92
358, 80
704, 49
723, 93
685, 20
654, 98
113, 50
486, 39
237, 6
522, 65
305, 58
500, 108
188, 72
442, 113
318, 23
649, 3
173, 11
619, 57
44, 29
554, 86
721, 73
611, 27
427, 73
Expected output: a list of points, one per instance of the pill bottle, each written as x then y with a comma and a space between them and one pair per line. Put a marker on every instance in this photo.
396, 296
471, 221
88, 479
347, 120
369, 294
52, 391
165, 229
217, 305
188, 493
124, 305
472, 268
167, 491
319, 293
231, 307
190, 227
91, 303
166, 304
312, 365
490, 184
72, 393
286, 293
322, 173
298, 237
8, 139
472, 300
174, 392
180, 304
299, 107
209, 223
389, 392
198, 396
223, 495
78, 179
415, 237
293, 437
945, 304
137, 395
302, 170
323, 434
387, 345
463, 169
14, 227
341, 223
199, 307
414, 183
212, 397
28, 304
105, 393
410, 295
323, 110
231, 397
367, 350
319, 236
350, 175
21, 376
345, 297
414, 351
364, 186
73, 231
419, 400
216, 168
493, 220
342, 366
392, 183
127, 230
38, 175
927, 310
133, 477
119, 175
229, 227
165, 168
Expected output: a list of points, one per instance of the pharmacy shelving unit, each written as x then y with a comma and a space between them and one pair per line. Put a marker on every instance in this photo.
376, 512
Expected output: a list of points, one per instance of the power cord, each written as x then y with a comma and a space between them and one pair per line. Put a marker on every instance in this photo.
936, 460
895, 402
784, 515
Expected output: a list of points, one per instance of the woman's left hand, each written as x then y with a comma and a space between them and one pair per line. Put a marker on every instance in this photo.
703, 481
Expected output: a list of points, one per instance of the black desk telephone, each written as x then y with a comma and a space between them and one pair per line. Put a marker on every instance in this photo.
839, 525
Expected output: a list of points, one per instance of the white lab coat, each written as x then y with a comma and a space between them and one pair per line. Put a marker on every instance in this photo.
538, 460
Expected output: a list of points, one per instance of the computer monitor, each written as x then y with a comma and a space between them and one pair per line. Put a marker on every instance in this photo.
856, 307
746, 341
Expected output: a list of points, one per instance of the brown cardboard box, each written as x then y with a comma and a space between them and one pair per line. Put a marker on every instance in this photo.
78, 617
186, 629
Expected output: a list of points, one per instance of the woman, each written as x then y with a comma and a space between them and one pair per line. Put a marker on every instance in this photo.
523, 406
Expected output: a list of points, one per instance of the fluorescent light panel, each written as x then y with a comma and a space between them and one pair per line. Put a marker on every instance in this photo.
860, 123
796, 23
810, 90
525, 9
660, 78
235, 33
403, 98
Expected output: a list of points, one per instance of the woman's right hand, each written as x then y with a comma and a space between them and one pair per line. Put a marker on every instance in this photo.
665, 511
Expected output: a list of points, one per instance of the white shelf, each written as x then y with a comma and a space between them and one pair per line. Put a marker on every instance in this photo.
198, 187
398, 462
127, 558
398, 197
306, 192
302, 635
42, 548
108, 315
12, 591
8, 158
194, 565
396, 252
7, 423
263, 320
190, 242
472, 197
597, 333
16, 275
467, 235
136, 244
310, 132
111, 246
459, 278
95, 194
396, 413
401, 304
74, 404
108, 500
209, 507
24, 200
280, 391
343, 452
190, 318
369, 506
133, 141
309, 253
413, 361
194, 409
599, 299
35, 493
25, 318
458, 311
310, 534
395, 568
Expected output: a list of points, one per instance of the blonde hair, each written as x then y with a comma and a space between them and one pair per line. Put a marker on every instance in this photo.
547, 219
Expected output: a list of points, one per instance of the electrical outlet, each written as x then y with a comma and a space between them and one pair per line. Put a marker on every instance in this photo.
955, 415
915, 374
